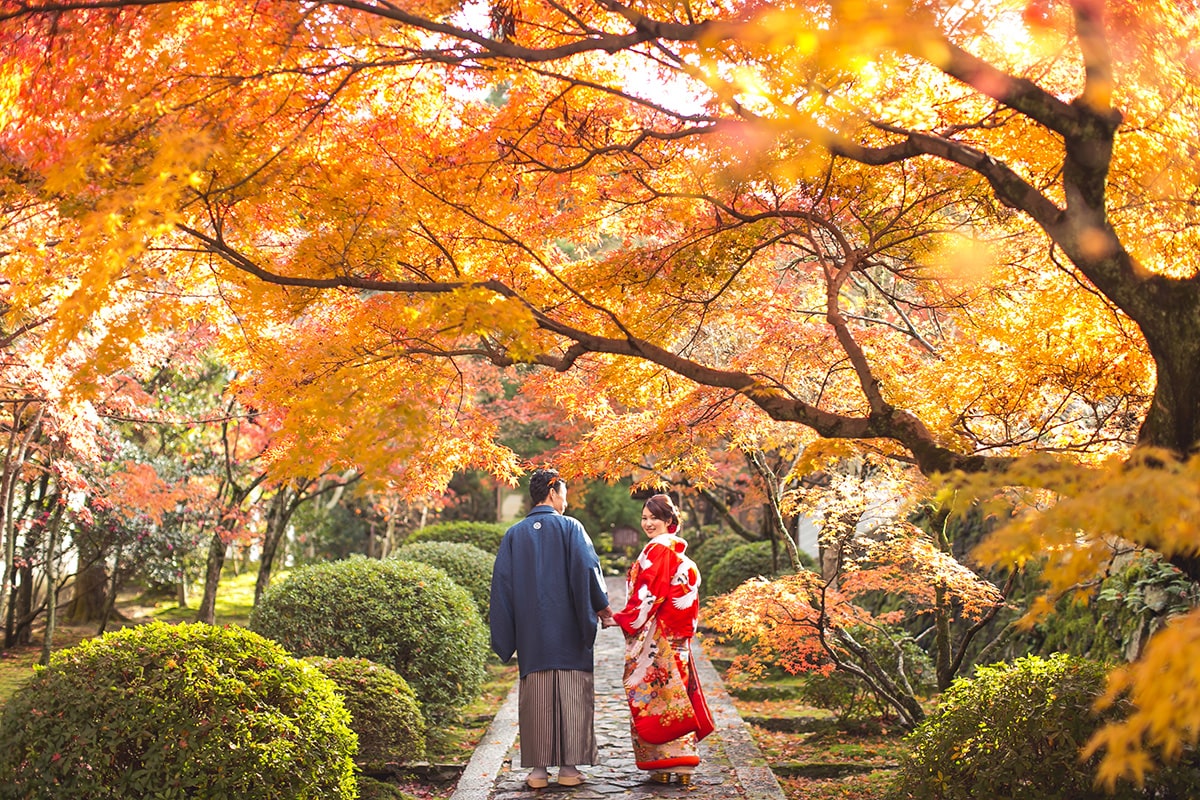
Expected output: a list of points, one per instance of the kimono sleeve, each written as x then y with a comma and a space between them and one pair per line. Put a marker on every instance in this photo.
502, 613
649, 587
587, 584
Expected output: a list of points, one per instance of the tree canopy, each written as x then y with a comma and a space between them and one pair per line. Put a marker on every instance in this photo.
961, 232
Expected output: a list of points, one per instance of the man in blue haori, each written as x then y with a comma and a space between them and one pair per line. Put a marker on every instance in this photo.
547, 595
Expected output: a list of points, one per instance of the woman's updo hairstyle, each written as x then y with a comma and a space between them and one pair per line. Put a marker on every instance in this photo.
661, 507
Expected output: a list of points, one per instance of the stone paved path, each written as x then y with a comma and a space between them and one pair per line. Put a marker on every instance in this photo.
731, 764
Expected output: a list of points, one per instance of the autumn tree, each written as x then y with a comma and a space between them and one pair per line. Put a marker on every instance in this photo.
882, 585
809, 623
964, 231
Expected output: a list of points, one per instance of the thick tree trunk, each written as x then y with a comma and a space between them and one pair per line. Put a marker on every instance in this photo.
830, 556
110, 603
90, 594
1173, 420
212, 578
14, 459
10, 614
941, 641
20, 613
389, 535
181, 588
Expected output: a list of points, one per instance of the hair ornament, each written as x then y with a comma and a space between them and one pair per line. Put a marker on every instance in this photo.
674, 526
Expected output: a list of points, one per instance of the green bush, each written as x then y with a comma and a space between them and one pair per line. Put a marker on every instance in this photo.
407, 616
383, 710
602, 506
1015, 731
466, 564
174, 711
484, 535
744, 562
709, 552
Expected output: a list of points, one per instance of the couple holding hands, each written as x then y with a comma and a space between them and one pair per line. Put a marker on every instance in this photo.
548, 594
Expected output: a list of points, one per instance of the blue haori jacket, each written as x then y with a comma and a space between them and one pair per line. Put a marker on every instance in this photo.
546, 591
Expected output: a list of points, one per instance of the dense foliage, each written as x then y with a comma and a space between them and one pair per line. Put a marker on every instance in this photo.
709, 552
484, 535
176, 711
1016, 731
384, 712
466, 564
743, 562
602, 506
407, 616
1140, 595
371, 789
955, 234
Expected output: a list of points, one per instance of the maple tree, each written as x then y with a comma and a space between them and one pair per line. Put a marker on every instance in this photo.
808, 623
59, 452
877, 573
965, 232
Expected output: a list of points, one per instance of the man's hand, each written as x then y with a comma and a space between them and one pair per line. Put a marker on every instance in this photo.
606, 619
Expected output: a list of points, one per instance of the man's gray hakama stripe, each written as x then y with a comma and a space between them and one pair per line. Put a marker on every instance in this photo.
556, 707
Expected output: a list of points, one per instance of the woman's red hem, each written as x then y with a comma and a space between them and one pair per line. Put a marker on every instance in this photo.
668, 763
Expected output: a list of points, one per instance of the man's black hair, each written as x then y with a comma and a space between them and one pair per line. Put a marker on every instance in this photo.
541, 482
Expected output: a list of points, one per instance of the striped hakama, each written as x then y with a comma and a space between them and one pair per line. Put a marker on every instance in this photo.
556, 708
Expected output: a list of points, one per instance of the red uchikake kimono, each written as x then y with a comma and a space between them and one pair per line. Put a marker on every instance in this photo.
669, 714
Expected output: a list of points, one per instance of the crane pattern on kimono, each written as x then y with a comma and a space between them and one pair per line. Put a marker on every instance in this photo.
663, 584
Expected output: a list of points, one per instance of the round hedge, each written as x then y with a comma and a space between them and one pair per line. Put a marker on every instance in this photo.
1016, 731
466, 564
708, 553
742, 563
383, 710
407, 616
176, 711
484, 535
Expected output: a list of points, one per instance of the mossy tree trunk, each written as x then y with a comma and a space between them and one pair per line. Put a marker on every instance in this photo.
89, 596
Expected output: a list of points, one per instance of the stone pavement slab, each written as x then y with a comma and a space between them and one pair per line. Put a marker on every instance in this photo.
731, 765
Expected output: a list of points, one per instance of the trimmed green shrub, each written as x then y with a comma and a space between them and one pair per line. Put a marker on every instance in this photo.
484, 535
174, 711
383, 710
602, 506
466, 564
708, 553
1016, 731
407, 616
742, 563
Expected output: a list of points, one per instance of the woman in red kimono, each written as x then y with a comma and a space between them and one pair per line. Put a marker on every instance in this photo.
669, 714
